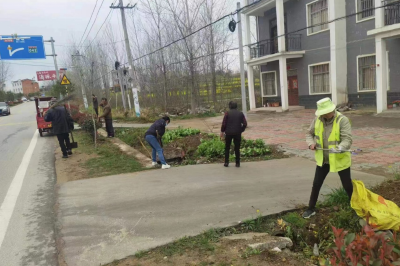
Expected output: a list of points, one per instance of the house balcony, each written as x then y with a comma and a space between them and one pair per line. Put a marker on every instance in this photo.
270, 47
387, 19
392, 12
259, 7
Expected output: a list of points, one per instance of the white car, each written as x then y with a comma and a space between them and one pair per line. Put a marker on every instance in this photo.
4, 109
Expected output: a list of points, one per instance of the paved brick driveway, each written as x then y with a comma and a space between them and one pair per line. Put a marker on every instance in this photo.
381, 143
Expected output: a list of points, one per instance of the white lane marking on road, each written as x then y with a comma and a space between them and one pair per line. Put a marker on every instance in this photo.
8, 205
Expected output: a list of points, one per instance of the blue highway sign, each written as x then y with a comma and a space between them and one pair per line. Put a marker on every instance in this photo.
22, 47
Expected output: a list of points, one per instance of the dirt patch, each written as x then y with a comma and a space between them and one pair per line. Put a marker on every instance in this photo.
89, 161
390, 190
71, 169
223, 252
361, 121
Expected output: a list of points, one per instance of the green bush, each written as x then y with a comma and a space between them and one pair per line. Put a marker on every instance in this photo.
172, 135
253, 148
87, 123
215, 148
212, 148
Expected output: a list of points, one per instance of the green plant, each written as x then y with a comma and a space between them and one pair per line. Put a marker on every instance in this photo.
249, 225
172, 135
140, 254
212, 148
250, 252
253, 148
203, 242
295, 219
346, 218
338, 197
364, 249
87, 123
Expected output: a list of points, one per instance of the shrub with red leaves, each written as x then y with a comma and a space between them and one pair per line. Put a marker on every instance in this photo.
368, 248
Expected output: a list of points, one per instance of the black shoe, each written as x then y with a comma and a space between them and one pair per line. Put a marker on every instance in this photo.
69, 152
308, 213
237, 164
226, 164
65, 156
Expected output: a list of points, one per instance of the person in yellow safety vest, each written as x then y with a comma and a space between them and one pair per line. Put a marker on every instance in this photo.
329, 136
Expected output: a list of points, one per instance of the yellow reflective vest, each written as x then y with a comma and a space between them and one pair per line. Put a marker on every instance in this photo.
337, 161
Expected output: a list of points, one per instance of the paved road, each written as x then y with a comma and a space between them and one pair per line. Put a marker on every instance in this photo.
27, 194
109, 218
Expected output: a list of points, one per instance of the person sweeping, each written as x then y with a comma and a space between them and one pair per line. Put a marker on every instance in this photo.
330, 137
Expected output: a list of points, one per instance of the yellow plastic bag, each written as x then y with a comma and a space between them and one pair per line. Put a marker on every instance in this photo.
384, 214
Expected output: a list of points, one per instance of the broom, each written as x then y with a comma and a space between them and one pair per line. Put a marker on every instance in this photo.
63, 101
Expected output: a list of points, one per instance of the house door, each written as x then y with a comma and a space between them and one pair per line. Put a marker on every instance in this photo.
274, 35
293, 91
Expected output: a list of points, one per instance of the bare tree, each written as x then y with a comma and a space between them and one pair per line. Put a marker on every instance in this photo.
5, 74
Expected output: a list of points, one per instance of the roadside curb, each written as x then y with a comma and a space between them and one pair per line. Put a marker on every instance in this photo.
143, 160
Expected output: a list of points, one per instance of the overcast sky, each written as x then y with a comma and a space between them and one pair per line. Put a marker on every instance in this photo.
64, 20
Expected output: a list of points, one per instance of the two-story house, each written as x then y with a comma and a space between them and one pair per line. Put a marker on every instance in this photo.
25, 86
348, 50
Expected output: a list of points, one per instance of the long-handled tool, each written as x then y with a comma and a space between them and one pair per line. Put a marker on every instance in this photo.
353, 152
74, 145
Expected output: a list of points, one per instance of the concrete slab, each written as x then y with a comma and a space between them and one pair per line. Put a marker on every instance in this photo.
113, 217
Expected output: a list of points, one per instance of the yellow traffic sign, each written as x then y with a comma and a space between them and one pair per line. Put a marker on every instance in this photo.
65, 81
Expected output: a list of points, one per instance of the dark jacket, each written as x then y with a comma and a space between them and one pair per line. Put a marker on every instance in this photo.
158, 126
234, 122
60, 118
106, 112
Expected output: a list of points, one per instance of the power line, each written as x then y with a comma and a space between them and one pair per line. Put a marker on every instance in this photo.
198, 30
100, 27
22, 64
88, 23
98, 11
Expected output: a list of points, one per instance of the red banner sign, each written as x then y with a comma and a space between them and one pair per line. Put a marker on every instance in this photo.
46, 75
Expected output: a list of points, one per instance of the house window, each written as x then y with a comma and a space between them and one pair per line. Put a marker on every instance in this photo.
319, 79
366, 73
317, 16
269, 84
365, 9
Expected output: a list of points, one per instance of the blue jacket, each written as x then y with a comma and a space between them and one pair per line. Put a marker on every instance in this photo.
158, 126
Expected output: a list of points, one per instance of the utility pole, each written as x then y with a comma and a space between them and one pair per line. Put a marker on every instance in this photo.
54, 55
242, 76
127, 46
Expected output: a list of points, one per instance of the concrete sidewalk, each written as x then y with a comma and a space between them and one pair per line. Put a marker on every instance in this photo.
110, 218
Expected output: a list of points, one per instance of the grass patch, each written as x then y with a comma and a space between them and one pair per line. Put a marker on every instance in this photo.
295, 219
338, 197
131, 136
109, 160
204, 242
